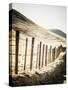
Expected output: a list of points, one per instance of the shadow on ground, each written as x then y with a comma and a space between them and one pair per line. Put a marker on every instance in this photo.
57, 76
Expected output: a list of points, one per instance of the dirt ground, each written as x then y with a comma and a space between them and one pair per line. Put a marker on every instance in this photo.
55, 73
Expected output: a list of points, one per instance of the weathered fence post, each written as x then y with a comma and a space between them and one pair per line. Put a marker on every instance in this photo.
40, 54
46, 55
32, 48
60, 48
17, 51
49, 54
25, 53
37, 56
43, 55
53, 54
10, 55
56, 52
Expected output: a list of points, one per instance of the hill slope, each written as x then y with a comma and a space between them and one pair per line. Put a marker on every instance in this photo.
59, 32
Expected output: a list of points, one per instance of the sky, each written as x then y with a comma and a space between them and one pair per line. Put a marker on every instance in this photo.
47, 16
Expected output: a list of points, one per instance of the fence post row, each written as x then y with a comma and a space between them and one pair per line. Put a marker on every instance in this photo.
50, 55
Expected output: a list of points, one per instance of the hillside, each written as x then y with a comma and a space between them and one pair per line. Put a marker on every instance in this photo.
59, 32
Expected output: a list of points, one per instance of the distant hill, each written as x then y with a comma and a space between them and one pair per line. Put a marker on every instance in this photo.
59, 32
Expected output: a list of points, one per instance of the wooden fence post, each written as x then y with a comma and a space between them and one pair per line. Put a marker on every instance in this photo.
56, 52
17, 51
32, 48
60, 48
53, 54
25, 53
40, 54
46, 55
43, 55
49, 54
37, 56
10, 55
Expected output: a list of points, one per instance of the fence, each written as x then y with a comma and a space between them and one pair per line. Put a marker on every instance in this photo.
34, 52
